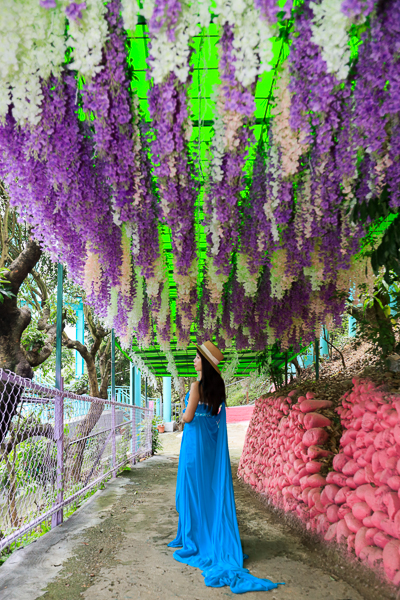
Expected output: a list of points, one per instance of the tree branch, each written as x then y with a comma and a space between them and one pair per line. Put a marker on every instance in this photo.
76, 345
37, 357
337, 350
38, 430
89, 360
4, 237
23, 264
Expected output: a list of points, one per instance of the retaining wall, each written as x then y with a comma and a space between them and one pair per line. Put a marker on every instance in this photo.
337, 470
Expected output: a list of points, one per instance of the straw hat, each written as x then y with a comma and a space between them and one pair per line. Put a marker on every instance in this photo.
211, 353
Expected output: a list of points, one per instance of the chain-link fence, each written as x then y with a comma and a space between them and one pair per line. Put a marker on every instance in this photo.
55, 446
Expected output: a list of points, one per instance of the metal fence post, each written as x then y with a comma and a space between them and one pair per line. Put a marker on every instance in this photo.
133, 434
58, 516
113, 441
316, 359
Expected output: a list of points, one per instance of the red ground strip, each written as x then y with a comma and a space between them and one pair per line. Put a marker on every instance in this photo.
236, 414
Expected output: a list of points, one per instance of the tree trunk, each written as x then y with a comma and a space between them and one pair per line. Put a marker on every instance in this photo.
12, 493
76, 449
13, 322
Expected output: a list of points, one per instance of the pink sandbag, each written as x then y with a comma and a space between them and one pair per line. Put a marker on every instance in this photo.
372, 555
351, 542
383, 476
371, 500
352, 523
396, 433
381, 539
315, 437
322, 524
388, 526
330, 492
307, 406
361, 510
368, 421
313, 495
387, 461
391, 558
396, 579
369, 474
314, 419
394, 482
349, 449
369, 536
392, 503
303, 473
368, 523
397, 524
348, 437
316, 452
300, 449
360, 540
313, 481
318, 504
359, 477
342, 530
339, 462
368, 454
342, 494
331, 533
313, 467
336, 478
298, 465
377, 517
332, 513
350, 468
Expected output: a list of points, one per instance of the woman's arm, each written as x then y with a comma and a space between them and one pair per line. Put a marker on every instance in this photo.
194, 398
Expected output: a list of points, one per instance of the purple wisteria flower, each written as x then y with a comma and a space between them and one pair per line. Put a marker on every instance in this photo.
165, 14
74, 10
173, 167
107, 97
225, 193
48, 4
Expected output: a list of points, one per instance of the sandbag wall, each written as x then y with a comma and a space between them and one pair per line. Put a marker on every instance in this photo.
352, 499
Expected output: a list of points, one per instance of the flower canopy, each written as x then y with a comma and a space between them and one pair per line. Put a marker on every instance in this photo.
196, 164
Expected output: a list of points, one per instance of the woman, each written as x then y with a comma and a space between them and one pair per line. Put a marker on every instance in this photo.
208, 534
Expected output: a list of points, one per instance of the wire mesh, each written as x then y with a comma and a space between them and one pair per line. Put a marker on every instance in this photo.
55, 446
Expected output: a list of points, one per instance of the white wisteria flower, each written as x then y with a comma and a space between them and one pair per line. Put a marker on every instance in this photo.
87, 37
273, 166
252, 38
167, 55
33, 47
330, 31
139, 363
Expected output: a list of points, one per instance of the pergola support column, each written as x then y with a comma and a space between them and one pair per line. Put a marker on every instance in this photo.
167, 404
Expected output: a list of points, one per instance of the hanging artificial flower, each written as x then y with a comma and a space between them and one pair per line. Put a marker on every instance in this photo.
87, 34
330, 31
33, 48
171, 27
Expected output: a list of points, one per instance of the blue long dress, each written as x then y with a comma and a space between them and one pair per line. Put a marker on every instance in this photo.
208, 533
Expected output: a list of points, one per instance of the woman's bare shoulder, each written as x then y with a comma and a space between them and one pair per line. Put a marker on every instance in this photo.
194, 389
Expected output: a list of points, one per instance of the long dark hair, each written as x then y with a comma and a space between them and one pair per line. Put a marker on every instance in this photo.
211, 386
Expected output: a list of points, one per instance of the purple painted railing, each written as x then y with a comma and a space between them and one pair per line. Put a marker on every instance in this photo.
49, 457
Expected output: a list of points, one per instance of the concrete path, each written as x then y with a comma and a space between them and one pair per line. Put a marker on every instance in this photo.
115, 547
